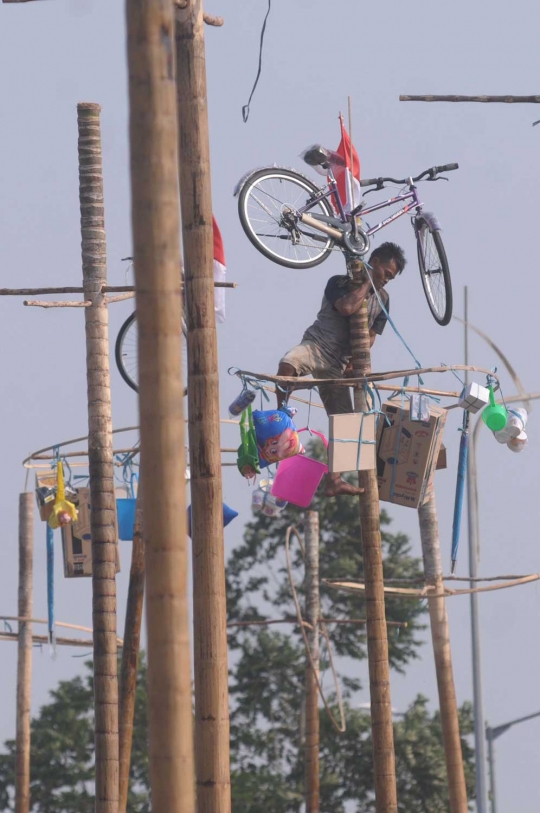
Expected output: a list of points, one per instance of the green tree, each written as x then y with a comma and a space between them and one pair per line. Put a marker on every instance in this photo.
269, 668
62, 752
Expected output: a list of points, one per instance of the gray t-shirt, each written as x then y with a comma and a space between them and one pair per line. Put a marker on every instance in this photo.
330, 331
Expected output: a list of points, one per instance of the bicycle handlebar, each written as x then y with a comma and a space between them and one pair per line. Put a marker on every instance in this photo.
432, 172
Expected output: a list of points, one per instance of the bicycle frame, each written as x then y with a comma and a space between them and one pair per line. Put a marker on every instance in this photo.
333, 192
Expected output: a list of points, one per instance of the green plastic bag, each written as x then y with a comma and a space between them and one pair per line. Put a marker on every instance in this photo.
248, 453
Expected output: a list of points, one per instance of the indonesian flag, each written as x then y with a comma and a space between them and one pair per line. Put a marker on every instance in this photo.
348, 180
219, 273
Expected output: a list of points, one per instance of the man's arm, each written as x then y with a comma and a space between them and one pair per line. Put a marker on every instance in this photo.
372, 336
350, 303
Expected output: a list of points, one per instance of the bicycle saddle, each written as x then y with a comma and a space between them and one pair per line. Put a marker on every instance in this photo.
317, 155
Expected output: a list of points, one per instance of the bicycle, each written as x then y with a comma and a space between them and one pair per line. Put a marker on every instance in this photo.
296, 224
126, 352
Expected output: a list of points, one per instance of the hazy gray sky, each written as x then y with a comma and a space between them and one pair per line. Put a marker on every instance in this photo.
55, 54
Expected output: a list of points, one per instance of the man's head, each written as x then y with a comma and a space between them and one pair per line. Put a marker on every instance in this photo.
387, 261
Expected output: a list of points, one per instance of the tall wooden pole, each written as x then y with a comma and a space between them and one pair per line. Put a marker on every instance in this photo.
209, 603
156, 243
311, 538
379, 668
130, 655
440, 635
100, 458
24, 654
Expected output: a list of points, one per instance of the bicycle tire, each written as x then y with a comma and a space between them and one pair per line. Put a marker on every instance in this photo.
125, 351
431, 252
322, 207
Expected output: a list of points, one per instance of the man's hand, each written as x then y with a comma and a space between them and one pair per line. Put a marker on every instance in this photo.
350, 303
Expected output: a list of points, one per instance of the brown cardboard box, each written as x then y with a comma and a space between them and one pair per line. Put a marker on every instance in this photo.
344, 442
77, 540
407, 454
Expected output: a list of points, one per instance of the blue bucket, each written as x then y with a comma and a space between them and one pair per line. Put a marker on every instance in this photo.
125, 509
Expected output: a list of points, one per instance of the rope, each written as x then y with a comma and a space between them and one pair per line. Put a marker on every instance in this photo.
50, 587
245, 108
340, 728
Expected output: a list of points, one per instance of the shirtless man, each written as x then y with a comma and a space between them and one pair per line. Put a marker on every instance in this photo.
325, 351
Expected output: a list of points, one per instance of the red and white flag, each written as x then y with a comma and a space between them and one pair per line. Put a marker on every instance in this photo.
348, 180
219, 273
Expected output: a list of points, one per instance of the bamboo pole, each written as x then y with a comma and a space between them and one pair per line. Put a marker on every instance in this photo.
209, 598
100, 458
311, 538
130, 655
156, 230
77, 289
24, 654
483, 99
440, 635
379, 670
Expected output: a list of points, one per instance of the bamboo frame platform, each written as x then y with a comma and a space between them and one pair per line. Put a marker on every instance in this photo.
428, 592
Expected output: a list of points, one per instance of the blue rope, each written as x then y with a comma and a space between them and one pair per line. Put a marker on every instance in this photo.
50, 584
393, 326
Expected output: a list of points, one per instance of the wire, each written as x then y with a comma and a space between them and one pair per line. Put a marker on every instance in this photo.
245, 109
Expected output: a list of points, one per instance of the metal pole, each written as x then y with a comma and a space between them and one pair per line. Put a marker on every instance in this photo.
24, 654
100, 457
440, 635
479, 724
311, 537
130, 654
209, 595
156, 241
384, 760
491, 759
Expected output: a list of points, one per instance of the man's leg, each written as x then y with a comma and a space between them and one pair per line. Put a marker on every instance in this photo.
337, 401
298, 361
288, 370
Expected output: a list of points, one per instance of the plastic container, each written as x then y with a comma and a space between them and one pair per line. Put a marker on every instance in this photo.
495, 416
242, 402
517, 420
125, 509
299, 477
264, 501
519, 443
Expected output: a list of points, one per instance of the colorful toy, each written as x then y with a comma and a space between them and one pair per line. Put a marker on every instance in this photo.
298, 477
474, 397
63, 511
277, 437
248, 454
495, 416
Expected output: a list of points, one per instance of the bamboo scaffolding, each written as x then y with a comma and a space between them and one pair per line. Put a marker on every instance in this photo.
77, 289
481, 99
24, 654
377, 638
44, 639
209, 596
426, 592
440, 635
156, 231
100, 458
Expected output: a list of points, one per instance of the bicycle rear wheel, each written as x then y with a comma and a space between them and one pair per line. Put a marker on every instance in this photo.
267, 208
126, 353
434, 271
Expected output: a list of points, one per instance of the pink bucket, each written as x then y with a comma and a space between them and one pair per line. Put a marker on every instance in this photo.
298, 478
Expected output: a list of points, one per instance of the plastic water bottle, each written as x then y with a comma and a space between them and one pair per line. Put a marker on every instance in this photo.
242, 402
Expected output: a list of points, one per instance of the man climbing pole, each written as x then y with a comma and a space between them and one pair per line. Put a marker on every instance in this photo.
325, 351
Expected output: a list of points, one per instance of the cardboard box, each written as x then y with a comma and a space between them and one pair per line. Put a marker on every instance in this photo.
77, 540
407, 454
343, 445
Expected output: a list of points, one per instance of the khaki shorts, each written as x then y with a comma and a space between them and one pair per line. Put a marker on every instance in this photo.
308, 358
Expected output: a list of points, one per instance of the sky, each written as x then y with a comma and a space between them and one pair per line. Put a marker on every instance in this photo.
55, 54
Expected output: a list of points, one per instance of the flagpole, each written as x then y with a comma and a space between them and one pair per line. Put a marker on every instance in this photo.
351, 176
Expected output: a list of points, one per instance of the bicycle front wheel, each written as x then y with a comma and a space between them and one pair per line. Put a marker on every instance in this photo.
434, 271
126, 353
268, 205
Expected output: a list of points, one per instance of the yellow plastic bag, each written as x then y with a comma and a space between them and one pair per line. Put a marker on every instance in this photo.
63, 511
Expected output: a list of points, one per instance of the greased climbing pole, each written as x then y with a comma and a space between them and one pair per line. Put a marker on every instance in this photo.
377, 636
